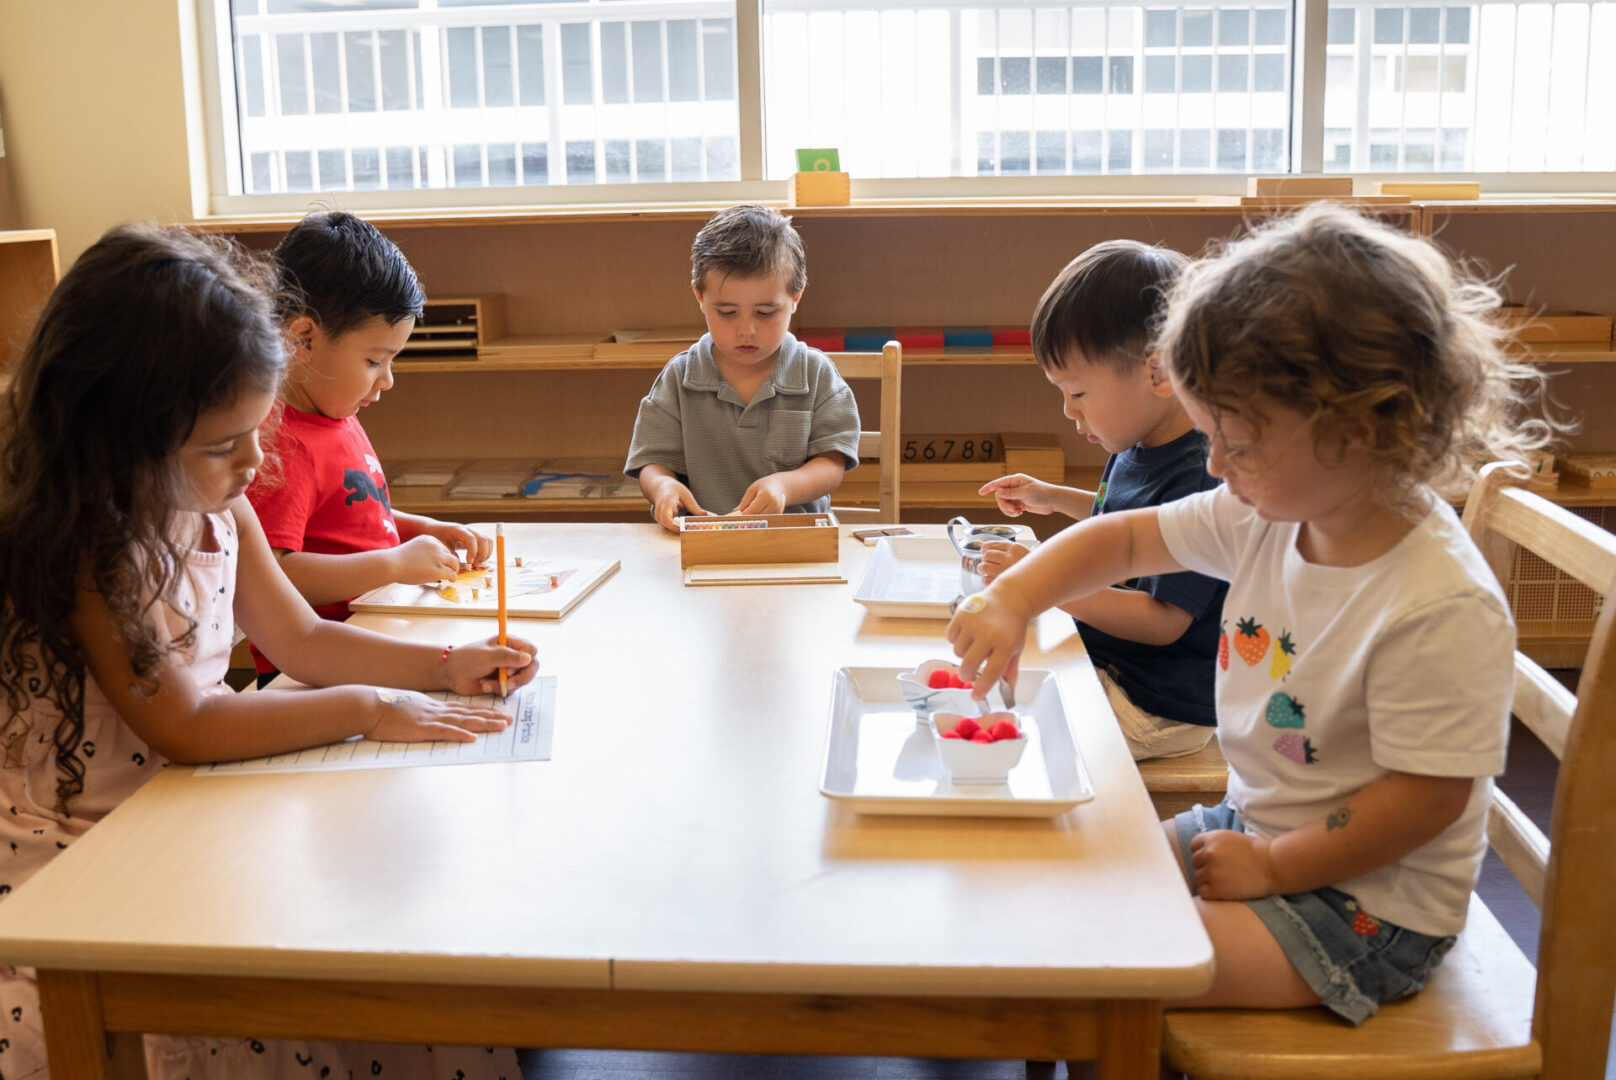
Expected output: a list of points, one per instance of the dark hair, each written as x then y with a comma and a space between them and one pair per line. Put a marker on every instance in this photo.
150, 328
1348, 320
340, 270
749, 241
1105, 305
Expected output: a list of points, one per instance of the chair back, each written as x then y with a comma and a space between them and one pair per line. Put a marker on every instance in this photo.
880, 446
1571, 874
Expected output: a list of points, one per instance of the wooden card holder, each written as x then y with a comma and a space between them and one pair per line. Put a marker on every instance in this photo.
820, 189
781, 538
455, 328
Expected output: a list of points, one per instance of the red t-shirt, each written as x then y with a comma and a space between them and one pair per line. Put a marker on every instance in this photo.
330, 497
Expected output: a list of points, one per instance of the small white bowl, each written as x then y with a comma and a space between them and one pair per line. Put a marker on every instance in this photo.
978, 763
919, 696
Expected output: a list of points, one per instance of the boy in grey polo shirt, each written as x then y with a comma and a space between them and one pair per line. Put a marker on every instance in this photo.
748, 420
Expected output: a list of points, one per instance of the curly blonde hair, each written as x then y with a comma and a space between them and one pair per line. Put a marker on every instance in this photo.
1348, 320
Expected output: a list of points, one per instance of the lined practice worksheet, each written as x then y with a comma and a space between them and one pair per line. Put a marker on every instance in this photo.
528, 738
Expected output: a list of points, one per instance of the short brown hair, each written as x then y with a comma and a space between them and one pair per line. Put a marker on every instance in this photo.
749, 241
1105, 304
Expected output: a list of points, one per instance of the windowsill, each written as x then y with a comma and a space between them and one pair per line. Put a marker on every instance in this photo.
941, 206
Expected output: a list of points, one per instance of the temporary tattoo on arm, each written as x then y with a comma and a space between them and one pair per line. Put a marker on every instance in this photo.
1338, 819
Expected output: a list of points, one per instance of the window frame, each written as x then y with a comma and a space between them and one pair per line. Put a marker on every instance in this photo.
1309, 52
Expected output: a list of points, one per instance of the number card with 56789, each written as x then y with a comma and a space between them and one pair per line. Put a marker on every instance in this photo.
917, 449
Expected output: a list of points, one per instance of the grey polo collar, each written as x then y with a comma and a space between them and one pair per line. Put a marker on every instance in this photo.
790, 374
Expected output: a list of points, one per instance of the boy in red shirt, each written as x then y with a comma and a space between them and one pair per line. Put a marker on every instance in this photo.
348, 301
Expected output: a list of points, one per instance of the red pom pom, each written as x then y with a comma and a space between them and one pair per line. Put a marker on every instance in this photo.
951, 735
982, 737
941, 679
967, 728
956, 682
1004, 729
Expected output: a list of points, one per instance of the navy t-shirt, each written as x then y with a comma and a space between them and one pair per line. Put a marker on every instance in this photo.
1171, 681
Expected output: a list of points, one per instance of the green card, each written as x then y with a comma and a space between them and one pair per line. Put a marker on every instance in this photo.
818, 161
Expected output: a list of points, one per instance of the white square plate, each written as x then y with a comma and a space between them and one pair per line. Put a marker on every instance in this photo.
881, 759
915, 577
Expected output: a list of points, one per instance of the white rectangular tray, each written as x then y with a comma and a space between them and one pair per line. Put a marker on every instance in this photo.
915, 577
882, 759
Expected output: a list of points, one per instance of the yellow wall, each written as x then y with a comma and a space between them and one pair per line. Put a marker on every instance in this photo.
92, 97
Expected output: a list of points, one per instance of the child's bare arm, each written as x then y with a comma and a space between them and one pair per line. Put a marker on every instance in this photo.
172, 715
1083, 559
323, 653
1379, 825
325, 579
667, 496
1125, 613
1132, 615
452, 535
1019, 494
819, 475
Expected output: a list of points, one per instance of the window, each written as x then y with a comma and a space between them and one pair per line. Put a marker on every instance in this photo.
1496, 87
382, 95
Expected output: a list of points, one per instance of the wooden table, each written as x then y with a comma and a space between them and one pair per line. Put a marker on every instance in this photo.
672, 879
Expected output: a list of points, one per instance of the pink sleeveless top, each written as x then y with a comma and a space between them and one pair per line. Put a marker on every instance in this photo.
116, 761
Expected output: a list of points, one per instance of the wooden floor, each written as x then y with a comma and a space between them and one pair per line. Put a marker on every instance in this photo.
1530, 782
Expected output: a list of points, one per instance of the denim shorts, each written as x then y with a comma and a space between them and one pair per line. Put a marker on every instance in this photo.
1352, 960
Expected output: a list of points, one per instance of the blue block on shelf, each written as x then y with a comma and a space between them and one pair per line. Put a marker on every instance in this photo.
868, 338
976, 336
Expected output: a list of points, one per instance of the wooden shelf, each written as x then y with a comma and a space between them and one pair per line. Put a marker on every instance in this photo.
29, 269
581, 358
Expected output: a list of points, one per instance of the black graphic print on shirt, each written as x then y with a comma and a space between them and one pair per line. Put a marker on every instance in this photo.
361, 487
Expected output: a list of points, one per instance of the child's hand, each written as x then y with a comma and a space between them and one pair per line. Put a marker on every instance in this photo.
478, 548
405, 716
999, 556
422, 559
1019, 493
474, 667
671, 498
1231, 865
767, 495
988, 632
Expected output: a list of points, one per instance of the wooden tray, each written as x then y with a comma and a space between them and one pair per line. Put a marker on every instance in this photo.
759, 538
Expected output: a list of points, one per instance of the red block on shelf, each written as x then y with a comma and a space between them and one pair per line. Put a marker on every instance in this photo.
919, 337
1012, 335
825, 340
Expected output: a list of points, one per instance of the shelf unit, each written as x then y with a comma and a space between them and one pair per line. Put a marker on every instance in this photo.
29, 269
553, 387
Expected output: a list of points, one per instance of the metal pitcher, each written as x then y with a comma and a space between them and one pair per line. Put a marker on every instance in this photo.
970, 549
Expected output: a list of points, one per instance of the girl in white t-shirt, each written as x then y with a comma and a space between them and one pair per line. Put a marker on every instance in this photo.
127, 554
1346, 376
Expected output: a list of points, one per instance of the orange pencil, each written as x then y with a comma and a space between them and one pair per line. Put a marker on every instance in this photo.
499, 575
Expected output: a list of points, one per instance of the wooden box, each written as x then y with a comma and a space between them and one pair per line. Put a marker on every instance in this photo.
760, 538
1037, 453
1590, 470
820, 189
1313, 187
454, 328
1430, 189
1555, 327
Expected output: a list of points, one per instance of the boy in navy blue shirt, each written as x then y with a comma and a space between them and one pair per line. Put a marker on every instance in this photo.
1154, 639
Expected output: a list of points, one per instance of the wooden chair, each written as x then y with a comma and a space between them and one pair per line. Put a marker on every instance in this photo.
883, 445
1485, 1012
1177, 783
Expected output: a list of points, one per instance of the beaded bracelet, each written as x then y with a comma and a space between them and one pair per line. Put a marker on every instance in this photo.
444, 658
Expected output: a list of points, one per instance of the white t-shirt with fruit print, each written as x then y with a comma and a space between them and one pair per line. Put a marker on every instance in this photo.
1333, 676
